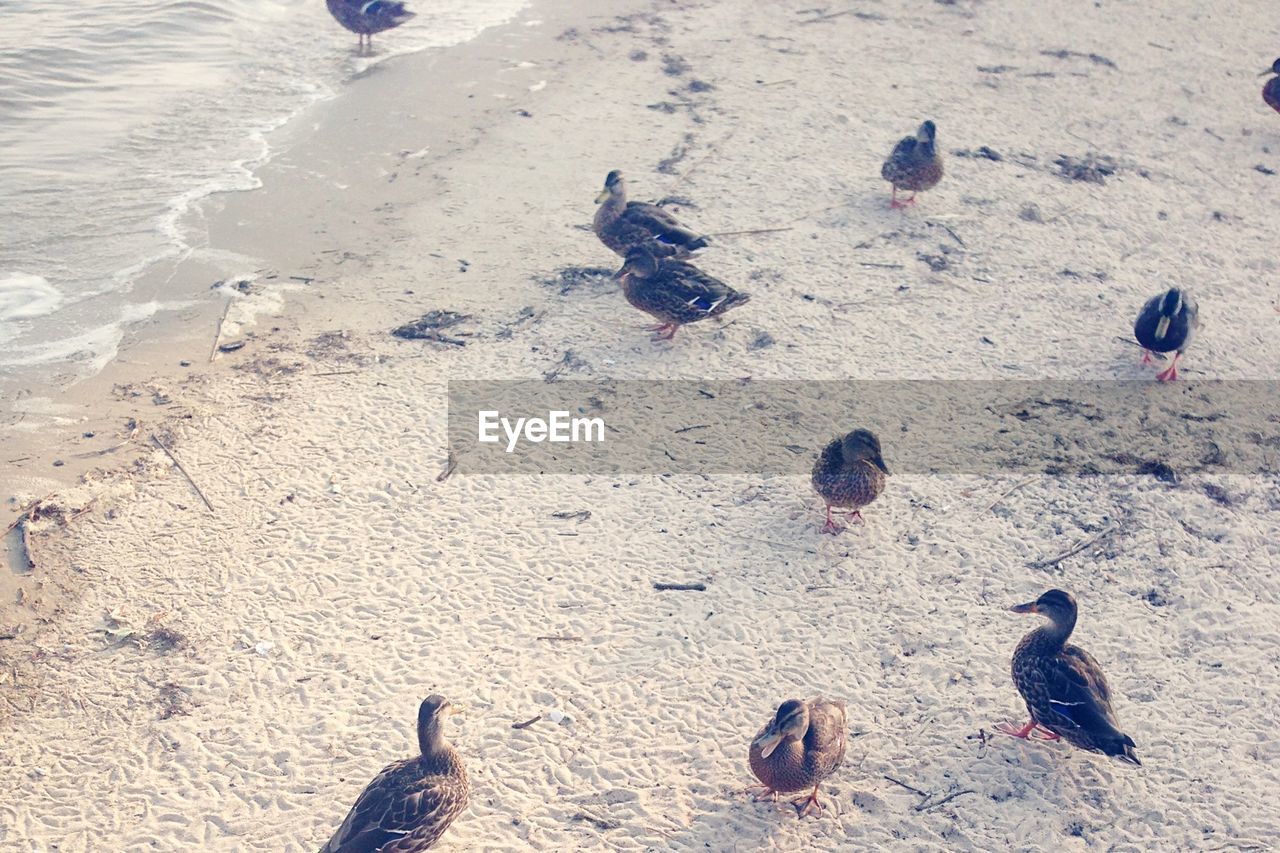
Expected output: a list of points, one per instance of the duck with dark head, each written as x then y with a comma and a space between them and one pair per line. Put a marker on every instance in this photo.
1063, 686
914, 164
674, 292
624, 225
1271, 91
801, 745
1167, 323
849, 474
366, 17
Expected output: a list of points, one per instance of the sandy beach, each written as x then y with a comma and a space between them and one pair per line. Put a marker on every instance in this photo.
219, 656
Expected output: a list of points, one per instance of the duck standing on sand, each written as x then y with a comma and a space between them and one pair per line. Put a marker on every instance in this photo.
800, 747
673, 291
410, 804
1167, 323
1063, 686
366, 17
623, 225
849, 474
1271, 91
914, 165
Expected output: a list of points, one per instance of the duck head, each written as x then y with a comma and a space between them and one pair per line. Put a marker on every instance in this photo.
1057, 605
926, 135
432, 713
614, 187
862, 444
791, 721
1170, 307
641, 262
1274, 69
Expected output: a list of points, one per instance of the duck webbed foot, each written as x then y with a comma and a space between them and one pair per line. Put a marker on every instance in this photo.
804, 805
665, 332
1032, 730
759, 791
1170, 373
1146, 357
831, 526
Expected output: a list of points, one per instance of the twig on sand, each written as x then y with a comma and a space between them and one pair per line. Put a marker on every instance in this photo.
167, 452
1074, 549
828, 16
1017, 486
927, 805
24, 542
597, 822
679, 587
526, 723
946, 228
450, 466
337, 373
751, 231
133, 433
902, 784
217, 334
560, 639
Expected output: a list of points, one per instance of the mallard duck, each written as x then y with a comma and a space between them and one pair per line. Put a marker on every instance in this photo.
914, 165
673, 291
409, 805
1063, 686
366, 17
1271, 91
622, 225
798, 748
1166, 324
849, 474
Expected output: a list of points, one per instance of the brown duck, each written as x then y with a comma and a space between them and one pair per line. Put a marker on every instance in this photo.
674, 292
410, 804
800, 747
623, 225
1063, 686
849, 474
914, 165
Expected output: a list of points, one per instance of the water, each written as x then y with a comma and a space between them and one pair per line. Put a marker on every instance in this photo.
117, 116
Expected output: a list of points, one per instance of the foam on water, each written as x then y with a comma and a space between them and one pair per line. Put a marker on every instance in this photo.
117, 117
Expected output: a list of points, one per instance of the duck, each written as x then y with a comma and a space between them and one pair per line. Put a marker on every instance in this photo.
914, 165
798, 749
622, 225
673, 291
1064, 688
366, 17
1167, 323
1271, 91
849, 474
410, 804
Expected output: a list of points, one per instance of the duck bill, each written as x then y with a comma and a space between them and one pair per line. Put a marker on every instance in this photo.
1029, 607
455, 710
768, 742
622, 273
879, 463
1162, 328
604, 196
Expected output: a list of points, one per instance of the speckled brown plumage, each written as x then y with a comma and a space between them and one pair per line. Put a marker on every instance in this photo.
914, 165
849, 474
805, 741
624, 225
674, 292
1063, 686
410, 804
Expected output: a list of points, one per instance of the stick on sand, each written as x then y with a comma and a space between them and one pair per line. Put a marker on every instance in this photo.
167, 452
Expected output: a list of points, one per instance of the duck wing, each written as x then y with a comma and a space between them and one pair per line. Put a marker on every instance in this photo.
701, 294
902, 156
661, 225
825, 742
398, 813
1076, 703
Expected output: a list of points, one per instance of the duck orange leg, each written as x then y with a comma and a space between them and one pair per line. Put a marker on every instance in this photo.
1146, 357
896, 204
831, 526
758, 791
1170, 373
1026, 731
810, 803
665, 332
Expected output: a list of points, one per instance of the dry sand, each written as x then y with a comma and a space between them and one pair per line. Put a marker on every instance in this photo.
229, 679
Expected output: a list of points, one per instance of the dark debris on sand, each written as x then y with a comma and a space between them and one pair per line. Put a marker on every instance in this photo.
1092, 168
567, 279
429, 326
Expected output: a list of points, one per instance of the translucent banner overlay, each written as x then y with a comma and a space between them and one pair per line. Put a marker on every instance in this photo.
1069, 428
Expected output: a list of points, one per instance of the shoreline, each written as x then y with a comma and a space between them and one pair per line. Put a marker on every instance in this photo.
231, 673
